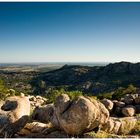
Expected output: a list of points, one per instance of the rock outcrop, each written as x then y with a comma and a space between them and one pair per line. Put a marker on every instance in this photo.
43, 113
36, 101
120, 125
14, 115
80, 115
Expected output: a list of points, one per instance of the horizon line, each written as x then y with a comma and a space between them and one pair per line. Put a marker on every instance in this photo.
70, 62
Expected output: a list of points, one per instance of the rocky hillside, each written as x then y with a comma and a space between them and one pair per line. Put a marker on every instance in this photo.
97, 79
82, 117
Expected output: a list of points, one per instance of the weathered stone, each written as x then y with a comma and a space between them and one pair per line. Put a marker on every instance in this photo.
79, 115
117, 125
22, 94
128, 99
120, 125
127, 124
108, 127
37, 104
17, 110
32, 98
108, 104
41, 101
44, 113
112, 126
16, 107
120, 104
31, 129
128, 111
38, 127
62, 103
38, 97
137, 100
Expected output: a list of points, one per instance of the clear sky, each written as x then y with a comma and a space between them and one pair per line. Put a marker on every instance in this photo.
69, 32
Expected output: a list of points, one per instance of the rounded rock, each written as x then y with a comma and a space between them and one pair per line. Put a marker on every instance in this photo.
120, 104
137, 100
79, 115
108, 104
128, 111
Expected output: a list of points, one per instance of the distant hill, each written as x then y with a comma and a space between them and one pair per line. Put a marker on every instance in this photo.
97, 79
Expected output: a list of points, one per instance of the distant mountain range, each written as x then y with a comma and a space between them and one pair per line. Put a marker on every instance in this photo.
96, 79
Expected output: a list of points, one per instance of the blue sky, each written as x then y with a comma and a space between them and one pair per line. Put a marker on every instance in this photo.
69, 32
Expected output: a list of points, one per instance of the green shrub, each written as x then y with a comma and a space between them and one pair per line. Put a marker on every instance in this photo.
52, 94
130, 89
118, 94
105, 95
74, 94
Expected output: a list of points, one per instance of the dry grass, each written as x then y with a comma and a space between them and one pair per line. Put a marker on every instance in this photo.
136, 130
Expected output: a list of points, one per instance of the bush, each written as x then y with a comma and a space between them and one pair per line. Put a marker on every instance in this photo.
118, 94
74, 94
52, 94
105, 95
130, 89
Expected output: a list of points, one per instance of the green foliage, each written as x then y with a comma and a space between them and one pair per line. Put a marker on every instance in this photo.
74, 94
130, 90
3, 90
118, 94
105, 95
52, 94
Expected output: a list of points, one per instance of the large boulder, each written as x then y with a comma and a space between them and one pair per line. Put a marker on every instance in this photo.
16, 111
79, 115
129, 111
108, 104
44, 113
